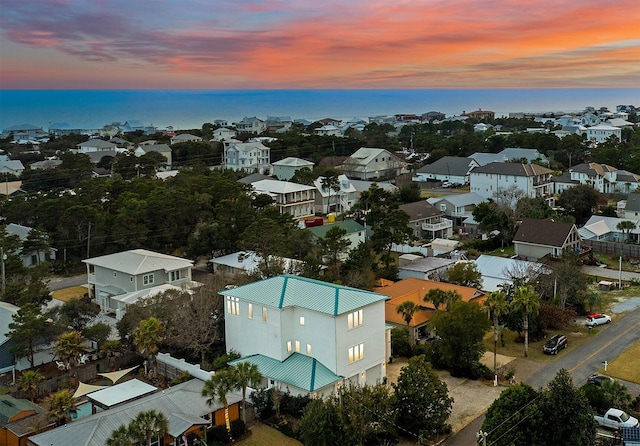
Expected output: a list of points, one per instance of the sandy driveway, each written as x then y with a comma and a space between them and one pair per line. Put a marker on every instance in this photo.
470, 398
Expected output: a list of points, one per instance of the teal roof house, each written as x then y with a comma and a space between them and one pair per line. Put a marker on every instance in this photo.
308, 336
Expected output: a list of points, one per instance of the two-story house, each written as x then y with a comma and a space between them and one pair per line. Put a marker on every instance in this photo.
510, 154
95, 145
603, 178
290, 198
369, 163
246, 156
329, 200
162, 149
116, 280
457, 207
223, 134
536, 239
448, 168
31, 257
251, 125
184, 137
308, 336
602, 132
497, 180
427, 221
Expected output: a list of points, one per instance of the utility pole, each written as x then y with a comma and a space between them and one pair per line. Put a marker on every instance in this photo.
482, 438
4, 277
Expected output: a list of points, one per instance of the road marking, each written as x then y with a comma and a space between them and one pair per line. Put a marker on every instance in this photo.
634, 326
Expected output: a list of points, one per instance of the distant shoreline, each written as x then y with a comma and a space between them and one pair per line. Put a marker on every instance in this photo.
188, 109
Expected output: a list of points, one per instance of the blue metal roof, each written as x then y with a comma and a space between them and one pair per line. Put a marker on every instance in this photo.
294, 291
298, 370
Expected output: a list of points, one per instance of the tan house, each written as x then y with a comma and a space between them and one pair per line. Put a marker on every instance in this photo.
536, 239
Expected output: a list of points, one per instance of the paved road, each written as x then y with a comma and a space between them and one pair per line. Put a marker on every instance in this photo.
59, 283
586, 359
606, 273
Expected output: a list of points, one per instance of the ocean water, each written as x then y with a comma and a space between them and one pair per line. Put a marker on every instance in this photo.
187, 109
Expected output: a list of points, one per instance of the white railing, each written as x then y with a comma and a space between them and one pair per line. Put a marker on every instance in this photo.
444, 224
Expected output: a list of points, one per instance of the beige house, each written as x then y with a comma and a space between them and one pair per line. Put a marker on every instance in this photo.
536, 239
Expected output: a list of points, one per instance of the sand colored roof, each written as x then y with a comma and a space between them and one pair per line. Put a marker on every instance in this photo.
414, 290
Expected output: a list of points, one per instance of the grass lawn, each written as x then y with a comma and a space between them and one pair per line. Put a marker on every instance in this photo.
576, 335
263, 435
66, 294
508, 251
625, 366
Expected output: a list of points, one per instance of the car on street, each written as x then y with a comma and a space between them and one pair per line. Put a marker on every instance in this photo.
598, 379
595, 319
555, 344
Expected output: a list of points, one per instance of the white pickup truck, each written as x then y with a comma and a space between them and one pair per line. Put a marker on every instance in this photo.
616, 419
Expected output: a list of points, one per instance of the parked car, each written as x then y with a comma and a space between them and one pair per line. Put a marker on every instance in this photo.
598, 379
616, 419
555, 344
595, 319
447, 184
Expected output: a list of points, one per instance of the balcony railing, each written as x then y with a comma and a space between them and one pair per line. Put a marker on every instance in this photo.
444, 224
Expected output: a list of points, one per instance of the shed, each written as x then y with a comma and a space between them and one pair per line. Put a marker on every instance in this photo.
605, 285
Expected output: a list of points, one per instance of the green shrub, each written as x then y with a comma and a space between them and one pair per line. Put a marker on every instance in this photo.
218, 435
238, 428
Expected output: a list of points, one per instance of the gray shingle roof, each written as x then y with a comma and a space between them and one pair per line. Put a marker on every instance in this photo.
543, 232
293, 291
448, 165
516, 169
420, 210
633, 202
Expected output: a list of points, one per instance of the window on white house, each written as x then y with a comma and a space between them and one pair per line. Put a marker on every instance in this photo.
355, 319
356, 353
175, 275
298, 346
233, 305
147, 279
289, 347
115, 274
264, 314
309, 349
250, 311
301, 320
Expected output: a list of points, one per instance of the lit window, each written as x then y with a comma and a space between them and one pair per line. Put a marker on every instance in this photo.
301, 320
356, 352
298, 346
309, 349
355, 319
250, 310
147, 279
264, 314
289, 348
233, 305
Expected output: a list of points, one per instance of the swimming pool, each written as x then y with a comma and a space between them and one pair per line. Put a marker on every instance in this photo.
82, 410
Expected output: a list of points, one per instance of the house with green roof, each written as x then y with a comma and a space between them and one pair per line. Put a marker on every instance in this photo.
355, 232
308, 336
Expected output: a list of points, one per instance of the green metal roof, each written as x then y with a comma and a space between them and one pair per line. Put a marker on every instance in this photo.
293, 291
350, 226
298, 370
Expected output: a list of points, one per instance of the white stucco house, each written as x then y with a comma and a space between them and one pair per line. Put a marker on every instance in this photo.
448, 168
247, 156
223, 134
602, 132
496, 179
251, 125
369, 163
185, 137
29, 258
290, 198
308, 336
117, 280
329, 200
95, 145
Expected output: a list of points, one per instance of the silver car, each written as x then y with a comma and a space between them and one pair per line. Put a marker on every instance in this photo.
593, 320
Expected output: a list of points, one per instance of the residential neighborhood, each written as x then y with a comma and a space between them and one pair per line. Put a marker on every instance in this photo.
287, 273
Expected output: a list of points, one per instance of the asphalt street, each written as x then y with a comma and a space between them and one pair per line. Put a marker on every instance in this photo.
609, 342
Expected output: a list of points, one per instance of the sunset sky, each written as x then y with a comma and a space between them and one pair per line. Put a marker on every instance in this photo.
292, 44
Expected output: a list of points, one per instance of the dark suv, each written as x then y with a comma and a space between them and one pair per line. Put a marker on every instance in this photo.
555, 344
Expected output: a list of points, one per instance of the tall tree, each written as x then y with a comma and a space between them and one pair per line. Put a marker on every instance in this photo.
465, 274
579, 201
496, 304
525, 301
60, 404
29, 382
69, 346
216, 389
407, 309
511, 419
26, 330
422, 403
331, 183
439, 296
147, 338
148, 425
462, 330
333, 246
245, 374
392, 229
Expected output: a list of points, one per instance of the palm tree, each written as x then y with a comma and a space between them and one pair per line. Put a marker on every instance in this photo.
408, 309
526, 301
626, 226
438, 297
147, 337
147, 425
120, 437
245, 374
216, 389
59, 405
29, 382
496, 303
593, 298
69, 346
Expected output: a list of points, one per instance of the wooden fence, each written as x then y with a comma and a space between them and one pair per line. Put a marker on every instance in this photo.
613, 248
